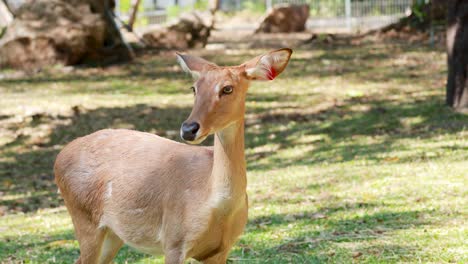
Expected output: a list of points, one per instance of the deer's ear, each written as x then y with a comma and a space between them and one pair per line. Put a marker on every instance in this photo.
194, 65
268, 66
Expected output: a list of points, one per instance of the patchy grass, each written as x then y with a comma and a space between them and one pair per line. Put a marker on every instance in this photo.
352, 155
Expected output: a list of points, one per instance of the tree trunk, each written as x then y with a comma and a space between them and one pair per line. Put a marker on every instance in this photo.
457, 49
7, 7
5, 14
133, 14
214, 5
438, 9
113, 40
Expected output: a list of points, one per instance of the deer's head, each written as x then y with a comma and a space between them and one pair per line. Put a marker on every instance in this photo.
220, 91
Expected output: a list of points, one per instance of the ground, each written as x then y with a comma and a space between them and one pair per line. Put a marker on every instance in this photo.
352, 155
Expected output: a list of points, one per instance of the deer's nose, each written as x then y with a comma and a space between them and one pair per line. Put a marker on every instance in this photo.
189, 130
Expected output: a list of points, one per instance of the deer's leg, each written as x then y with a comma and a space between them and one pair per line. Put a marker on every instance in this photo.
233, 232
89, 235
90, 244
111, 245
174, 256
219, 258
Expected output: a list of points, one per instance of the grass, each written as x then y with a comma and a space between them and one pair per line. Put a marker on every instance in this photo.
352, 155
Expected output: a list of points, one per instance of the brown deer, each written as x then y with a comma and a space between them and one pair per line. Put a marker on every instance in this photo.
163, 197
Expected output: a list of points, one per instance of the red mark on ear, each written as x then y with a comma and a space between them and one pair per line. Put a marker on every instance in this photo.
272, 73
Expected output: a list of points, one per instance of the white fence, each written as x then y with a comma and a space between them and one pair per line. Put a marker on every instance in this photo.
347, 15
351, 15
354, 8
325, 15
151, 11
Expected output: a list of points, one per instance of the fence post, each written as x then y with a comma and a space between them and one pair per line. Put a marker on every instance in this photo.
348, 14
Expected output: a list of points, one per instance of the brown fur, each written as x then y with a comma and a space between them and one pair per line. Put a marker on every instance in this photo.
160, 196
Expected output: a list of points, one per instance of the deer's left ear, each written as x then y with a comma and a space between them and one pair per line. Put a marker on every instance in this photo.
268, 66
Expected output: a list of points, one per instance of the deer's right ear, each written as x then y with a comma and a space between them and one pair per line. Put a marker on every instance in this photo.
193, 65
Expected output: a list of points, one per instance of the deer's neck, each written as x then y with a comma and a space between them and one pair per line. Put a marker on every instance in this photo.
229, 170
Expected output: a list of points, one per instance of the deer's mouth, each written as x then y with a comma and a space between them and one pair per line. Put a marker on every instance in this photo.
197, 140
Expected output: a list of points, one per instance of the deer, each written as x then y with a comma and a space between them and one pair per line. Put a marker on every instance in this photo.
163, 197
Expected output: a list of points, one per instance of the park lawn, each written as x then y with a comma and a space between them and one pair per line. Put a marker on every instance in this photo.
352, 155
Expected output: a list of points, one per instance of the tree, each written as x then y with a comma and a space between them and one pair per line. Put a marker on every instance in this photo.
5, 14
214, 6
133, 14
113, 38
457, 49
423, 14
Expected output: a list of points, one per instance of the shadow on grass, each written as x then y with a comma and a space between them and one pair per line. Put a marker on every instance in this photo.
311, 245
57, 248
360, 63
337, 127
159, 67
30, 171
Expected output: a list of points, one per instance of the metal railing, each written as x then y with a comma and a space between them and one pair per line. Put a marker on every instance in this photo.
342, 15
325, 15
148, 13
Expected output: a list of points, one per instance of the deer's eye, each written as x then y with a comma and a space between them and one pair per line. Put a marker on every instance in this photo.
227, 89
193, 89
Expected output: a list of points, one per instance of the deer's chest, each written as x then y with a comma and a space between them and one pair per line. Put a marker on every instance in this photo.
221, 228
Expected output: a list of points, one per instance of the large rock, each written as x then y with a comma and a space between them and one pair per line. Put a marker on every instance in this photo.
191, 30
284, 19
51, 31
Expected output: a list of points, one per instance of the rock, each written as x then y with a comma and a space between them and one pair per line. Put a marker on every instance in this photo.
284, 19
191, 30
51, 31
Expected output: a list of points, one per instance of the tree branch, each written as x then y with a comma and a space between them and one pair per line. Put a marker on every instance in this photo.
133, 14
8, 8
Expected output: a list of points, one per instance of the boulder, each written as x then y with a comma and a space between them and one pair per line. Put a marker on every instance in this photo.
51, 31
285, 18
191, 30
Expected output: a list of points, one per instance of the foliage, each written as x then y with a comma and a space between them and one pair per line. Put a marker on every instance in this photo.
352, 155
124, 6
420, 11
327, 8
175, 11
424, 14
201, 5
254, 6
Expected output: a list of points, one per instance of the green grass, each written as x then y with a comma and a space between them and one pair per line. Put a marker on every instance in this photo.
352, 155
